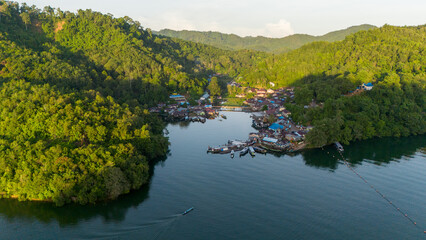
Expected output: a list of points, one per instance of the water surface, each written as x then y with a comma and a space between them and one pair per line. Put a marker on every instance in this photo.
311, 195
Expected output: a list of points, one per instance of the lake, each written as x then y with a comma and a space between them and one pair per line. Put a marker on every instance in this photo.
309, 195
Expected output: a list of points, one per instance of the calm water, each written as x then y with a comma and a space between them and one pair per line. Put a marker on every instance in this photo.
305, 196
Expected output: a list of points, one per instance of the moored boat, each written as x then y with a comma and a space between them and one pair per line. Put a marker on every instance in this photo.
244, 151
259, 150
225, 150
339, 146
251, 150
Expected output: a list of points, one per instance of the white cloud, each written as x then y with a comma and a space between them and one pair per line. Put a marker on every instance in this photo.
274, 30
170, 20
280, 29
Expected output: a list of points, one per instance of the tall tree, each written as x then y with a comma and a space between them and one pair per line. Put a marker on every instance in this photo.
214, 87
26, 19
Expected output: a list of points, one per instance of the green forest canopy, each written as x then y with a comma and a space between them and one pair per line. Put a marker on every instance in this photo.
259, 43
75, 88
392, 58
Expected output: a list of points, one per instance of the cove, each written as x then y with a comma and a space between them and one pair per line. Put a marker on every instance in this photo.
307, 195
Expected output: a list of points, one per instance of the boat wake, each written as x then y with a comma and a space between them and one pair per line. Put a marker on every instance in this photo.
149, 230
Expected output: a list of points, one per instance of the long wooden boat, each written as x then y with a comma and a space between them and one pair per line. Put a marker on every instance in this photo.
244, 151
259, 150
188, 210
251, 150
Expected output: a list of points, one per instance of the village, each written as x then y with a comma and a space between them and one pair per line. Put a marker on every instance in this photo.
276, 131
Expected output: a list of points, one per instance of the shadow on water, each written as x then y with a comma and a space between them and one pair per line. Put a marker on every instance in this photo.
72, 214
182, 124
378, 150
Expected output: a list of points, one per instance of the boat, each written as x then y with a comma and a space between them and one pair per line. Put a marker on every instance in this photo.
223, 116
232, 154
244, 151
339, 146
225, 150
259, 150
251, 150
188, 210
213, 149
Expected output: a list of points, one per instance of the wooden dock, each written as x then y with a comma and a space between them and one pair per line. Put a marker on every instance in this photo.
233, 108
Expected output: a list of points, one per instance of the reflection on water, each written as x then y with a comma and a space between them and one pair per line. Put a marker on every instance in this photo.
225, 187
182, 125
71, 214
377, 150
384, 150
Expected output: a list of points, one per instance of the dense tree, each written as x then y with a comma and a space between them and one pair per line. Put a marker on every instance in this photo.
75, 88
214, 87
276, 45
26, 19
62, 147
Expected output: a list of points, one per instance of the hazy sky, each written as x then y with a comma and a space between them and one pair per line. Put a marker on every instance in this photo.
272, 18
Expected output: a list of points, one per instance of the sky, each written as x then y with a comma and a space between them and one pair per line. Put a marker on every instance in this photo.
270, 18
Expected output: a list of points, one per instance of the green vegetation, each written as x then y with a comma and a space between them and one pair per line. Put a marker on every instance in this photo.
214, 87
276, 45
392, 58
75, 88
235, 102
82, 147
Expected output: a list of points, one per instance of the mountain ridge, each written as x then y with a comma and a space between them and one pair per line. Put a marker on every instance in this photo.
260, 43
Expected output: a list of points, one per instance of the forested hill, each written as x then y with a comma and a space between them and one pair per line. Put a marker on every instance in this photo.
392, 58
90, 50
276, 45
74, 87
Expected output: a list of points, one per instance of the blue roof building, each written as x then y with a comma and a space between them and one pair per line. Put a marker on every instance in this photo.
276, 126
367, 86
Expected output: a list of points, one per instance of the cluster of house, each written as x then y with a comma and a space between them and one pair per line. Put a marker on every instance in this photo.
269, 99
175, 112
277, 131
180, 110
263, 93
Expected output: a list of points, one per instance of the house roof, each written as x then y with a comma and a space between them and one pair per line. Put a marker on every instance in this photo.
275, 126
176, 96
269, 139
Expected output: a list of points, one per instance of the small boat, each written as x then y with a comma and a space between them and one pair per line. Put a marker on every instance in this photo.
223, 116
251, 150
232, 154
244, 151
339, 146
259, 150
188, 210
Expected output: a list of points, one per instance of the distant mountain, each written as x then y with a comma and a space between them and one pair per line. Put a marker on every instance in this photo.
277, 45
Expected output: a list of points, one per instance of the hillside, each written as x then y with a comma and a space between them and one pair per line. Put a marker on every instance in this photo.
74, 93
75, 88
392, 58
276, 45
